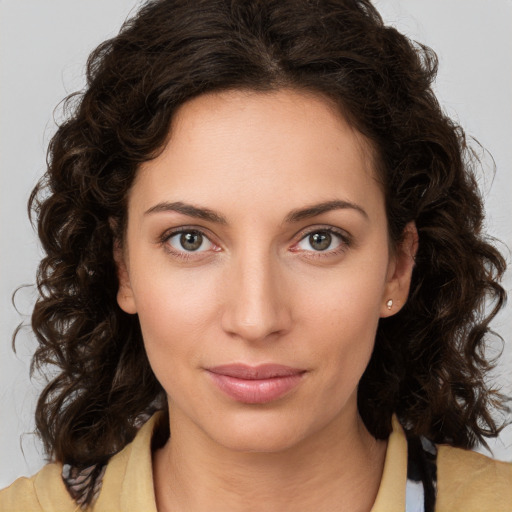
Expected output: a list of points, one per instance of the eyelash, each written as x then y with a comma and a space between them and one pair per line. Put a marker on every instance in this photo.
344, 238
345, 241
183, 255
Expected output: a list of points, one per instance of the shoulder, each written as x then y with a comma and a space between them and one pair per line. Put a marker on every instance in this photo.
127, 483
43, 492
469, 481
128, 480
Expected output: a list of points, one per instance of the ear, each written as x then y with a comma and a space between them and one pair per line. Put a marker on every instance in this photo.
400, 272
125, 297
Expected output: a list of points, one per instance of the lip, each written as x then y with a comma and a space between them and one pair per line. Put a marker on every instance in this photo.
255, 384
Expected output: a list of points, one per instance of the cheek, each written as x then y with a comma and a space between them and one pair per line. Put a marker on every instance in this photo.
175, 309
341, 314
346, 301
344, 335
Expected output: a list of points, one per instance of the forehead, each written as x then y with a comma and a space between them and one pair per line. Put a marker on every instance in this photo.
301, 114
239, 144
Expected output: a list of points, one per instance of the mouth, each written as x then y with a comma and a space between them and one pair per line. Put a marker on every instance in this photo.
255, 384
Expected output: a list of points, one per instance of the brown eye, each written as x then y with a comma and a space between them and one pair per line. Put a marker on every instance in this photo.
320, 241
327, 241
189, 241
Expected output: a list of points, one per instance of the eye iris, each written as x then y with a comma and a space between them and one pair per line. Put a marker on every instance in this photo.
320, 241
191, 241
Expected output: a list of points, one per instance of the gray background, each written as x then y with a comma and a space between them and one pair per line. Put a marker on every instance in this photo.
43, 48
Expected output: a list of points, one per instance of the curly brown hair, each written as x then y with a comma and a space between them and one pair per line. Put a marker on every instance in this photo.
428, 365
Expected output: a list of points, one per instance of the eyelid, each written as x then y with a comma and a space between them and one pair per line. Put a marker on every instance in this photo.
346, 239
323, 227
169, 233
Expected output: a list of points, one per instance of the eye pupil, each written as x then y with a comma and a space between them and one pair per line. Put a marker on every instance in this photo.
191, 241
320, 240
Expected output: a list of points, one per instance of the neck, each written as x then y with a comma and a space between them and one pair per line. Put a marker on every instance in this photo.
337, 469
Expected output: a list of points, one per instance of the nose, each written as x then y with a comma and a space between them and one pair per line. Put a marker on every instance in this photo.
256, 306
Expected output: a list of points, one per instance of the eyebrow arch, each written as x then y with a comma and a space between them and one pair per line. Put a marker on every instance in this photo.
318, 209
189, 210
293, 216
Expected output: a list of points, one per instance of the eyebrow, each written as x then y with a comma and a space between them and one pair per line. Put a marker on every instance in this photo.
189, 210
318, 209
293, 217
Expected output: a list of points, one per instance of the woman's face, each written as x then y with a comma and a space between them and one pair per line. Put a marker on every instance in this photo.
257, 259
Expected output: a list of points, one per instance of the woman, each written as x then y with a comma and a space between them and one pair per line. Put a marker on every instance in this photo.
259, 223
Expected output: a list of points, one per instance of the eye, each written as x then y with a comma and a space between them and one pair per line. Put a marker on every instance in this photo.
322, 240
189, 241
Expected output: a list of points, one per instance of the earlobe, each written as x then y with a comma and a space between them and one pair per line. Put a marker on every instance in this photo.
125, 297
400, 272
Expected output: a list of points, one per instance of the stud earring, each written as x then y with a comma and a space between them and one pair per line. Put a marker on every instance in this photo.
389, 304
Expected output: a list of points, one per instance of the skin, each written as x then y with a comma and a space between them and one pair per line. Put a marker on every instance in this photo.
257, 291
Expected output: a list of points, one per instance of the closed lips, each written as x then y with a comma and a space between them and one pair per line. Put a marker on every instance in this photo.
255, 384
267, 371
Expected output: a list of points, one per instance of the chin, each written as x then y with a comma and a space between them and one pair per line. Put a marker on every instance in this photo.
259, 432
260, 442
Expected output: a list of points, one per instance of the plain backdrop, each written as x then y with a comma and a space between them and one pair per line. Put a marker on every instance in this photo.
43, 48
